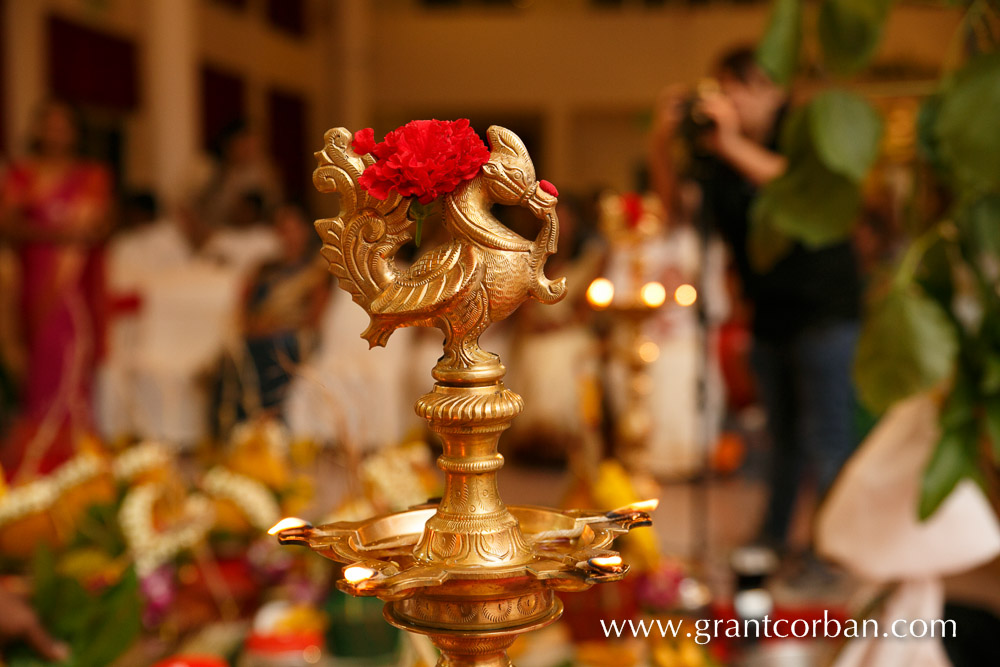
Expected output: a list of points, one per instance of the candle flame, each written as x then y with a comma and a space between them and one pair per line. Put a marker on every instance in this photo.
606, 562
355, 574
653, 294
286, 523
601, 293
685, 295
649, 351
646, 506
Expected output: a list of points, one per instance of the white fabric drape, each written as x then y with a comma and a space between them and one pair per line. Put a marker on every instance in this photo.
869, 524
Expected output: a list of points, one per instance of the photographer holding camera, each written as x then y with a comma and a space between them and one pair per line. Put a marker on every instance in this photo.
805, 309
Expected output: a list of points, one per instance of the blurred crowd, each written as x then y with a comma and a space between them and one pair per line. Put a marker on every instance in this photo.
124, 310
140, 319
129, 318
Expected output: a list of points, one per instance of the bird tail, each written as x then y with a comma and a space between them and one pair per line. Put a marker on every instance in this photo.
360, 242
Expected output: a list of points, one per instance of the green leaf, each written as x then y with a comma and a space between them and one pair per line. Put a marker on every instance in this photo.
991, 423
958, 410
114, 623
796, 141
98, 528
990, 382
989, 330
778, 51
953, 460
980, 220
907, 345
54, 595
850, 32
928, 145
968, 129
68, 617
846, 131
765, 244
809, 203
99, 627
43, 573
934, 273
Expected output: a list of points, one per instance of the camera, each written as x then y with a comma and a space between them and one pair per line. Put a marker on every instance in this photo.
696, 123
693, 128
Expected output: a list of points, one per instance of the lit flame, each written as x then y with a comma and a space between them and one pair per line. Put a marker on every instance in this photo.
653, 294
312, 654
649, 351
355, 574
286, 523
646, 506
609, 563
685, 295
601, 293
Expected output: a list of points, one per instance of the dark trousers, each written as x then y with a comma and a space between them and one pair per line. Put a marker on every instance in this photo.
273, 359
806, 388
259, 381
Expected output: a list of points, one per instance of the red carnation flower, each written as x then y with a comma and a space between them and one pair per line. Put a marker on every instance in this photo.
364, 141
423, 159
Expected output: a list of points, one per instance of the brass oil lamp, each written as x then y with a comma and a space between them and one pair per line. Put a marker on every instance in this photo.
629, 222
468, 571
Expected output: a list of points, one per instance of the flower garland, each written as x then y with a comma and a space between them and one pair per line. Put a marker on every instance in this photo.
253, 498
140, 459
151, 548
40, 495
33, 498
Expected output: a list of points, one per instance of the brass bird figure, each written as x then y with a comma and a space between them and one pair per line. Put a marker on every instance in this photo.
480, 276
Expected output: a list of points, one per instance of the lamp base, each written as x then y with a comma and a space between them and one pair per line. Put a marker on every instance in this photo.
462, 648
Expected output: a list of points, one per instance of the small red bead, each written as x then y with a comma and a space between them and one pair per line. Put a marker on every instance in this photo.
548, 188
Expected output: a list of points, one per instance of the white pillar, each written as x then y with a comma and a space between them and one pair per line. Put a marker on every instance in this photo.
172, 90
25, 68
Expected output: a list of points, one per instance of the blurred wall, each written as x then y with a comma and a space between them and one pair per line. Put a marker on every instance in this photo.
585, 75
174, 40
591, 73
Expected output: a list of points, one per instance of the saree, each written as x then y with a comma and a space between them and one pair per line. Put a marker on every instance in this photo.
61, 304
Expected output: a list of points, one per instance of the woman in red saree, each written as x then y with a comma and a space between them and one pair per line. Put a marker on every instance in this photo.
54, 209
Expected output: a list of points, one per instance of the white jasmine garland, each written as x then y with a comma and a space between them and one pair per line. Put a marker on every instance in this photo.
39, 496
150, 548
22, 501
139, 459
254, 498
79, 469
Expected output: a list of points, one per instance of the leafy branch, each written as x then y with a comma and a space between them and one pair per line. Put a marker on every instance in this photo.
935, 325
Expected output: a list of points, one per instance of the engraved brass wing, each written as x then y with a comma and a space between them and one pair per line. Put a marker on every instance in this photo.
362, 240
